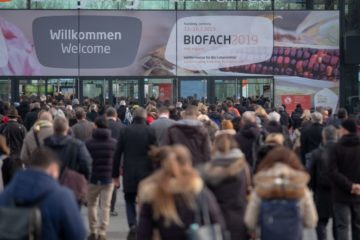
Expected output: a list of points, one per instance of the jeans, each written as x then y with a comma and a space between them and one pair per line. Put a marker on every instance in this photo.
104, 192
113, 200
347, 215
130, 202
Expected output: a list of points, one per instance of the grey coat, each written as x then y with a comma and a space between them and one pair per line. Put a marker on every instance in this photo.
160, 127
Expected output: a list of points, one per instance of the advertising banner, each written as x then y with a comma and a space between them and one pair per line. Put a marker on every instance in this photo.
290, 101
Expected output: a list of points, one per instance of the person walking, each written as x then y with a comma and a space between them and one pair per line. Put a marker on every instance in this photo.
32, 116
82, 130
162, 124
102, 148
133, 146
38, 185
345, 176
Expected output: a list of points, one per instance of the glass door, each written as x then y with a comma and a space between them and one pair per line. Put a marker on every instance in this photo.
258, 88
193, 89
32, 88
61, 86
5, 89
227, 89
125, 89
97, 90
159, 89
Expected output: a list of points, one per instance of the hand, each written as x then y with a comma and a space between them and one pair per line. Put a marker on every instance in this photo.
355, 189
116, 182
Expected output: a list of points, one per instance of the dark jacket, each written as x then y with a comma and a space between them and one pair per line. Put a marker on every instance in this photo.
31, 118
285, 119
320, 181
91, 116
102, 149
121, 113
296, 118
310, 139
345, 168
23, 109
216, 118
61, 218
134, 143
275, 127
14, 133
82, 130
246, 138
71, 152
115, 128
228, 177
193, 135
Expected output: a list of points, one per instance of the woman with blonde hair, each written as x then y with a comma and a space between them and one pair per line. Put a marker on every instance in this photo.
261, 113
281, 183
168, 197
228, 177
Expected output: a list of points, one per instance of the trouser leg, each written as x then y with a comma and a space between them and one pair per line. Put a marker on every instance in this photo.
93, 200
342, 221
105, 195
130, 201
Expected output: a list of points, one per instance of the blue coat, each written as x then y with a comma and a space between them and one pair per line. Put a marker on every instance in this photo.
61, 218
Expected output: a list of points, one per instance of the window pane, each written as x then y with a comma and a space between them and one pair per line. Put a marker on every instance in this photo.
54, 4
14, 4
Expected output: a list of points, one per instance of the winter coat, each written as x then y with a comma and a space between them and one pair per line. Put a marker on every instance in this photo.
246, 138
310, 139
216, 118
82, 130
102, 149
345, 168
133, 145
294, 187
320, 182
72, 153
121, 113
160, 126
296, 118
14, 133
61, 218
148, 223
43, 129
228, 177
275, 127
31, 118
91, 116
193, 135
285, 119
115, 128
23, 109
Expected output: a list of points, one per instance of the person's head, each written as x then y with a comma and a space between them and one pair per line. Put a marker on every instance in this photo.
13, 114
93, 108
101, 122
348, 126
61, 126
80, 113
226, 124
111, 112
281, 155
317, 118
164, 111
325, 115
224, 143
329, 133
248, 117
274, 117
140, 113
45, 116
4, 148
342, 114
306, 115
45, 160
261, 112
35, 105
275, 139
191, 112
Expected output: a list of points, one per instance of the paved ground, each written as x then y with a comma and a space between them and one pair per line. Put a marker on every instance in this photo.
118, 227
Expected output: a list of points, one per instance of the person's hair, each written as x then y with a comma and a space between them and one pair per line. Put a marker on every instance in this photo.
101, 122
175, 166
111, 112
306, 115
226, 124
3, 145
93, 107
163, 110
190, 111
61, 125
42, 157
224, 143
80, 113
140, 113
35, 105
248, 117
45, 116
329, 133
274, 117
281, 155
316, 117
275, 138
342, 113
261, 112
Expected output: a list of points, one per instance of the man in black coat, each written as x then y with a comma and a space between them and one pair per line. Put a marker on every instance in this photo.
133, 146
321, 181
31, 117
311, 137
345, 175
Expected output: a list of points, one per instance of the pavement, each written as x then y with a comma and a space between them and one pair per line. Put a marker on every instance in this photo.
118, 228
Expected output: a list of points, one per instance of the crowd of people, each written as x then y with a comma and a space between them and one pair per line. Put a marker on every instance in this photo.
231, 171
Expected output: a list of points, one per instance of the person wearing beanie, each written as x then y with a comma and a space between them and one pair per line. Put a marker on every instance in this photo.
345, 176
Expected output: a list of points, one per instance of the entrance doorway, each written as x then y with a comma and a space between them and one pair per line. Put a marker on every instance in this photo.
125, 89
97, 90
194, 89
63, 86
32, 87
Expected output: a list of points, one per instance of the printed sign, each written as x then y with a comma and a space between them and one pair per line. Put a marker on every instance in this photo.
290, 101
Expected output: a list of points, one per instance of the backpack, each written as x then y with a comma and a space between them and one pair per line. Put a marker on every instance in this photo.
21, 221
280, 219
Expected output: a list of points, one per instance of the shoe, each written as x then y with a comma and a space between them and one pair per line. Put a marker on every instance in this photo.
132, 233
101, 237
92, 236
114, 214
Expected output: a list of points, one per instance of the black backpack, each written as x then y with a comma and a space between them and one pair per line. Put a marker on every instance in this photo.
20, 221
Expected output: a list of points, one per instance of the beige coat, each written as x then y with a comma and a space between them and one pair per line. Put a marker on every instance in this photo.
293, 186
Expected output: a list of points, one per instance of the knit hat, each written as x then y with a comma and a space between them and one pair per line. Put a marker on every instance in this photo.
349, 125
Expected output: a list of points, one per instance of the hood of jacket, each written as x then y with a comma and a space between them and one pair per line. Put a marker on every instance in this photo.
188, 130
57, 141
281, 181
350, 140
223, 167
31, 185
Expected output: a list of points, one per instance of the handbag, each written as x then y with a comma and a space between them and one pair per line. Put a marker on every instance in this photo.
75, 182
207, 230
